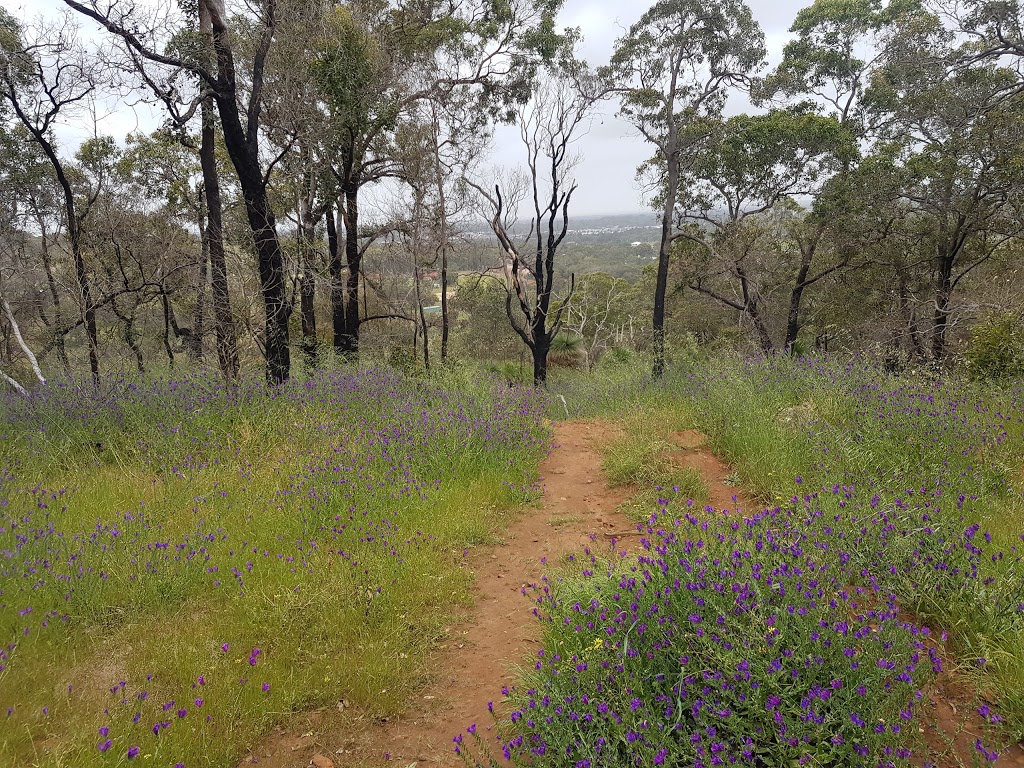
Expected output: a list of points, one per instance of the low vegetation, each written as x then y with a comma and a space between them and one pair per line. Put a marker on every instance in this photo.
886, 562
178, 574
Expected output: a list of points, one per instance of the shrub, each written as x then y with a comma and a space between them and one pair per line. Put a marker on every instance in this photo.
996, 347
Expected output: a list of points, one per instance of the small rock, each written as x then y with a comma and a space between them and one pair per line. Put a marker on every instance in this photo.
321, 761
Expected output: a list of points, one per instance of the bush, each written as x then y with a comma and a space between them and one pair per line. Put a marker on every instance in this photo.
996, 347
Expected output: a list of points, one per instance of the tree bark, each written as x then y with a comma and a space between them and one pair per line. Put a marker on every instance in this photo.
664, 254
131, 338
943, 300
422, 315
168, 348
242, 144
349, 346
540, 351
334, 268
442, 202
307, 283
195, 346
752, 309
74, 224
797, 295
51, 284
227, 349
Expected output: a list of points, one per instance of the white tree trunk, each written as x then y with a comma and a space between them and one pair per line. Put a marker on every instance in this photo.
24, 348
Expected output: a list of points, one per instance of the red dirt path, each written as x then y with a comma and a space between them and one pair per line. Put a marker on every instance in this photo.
481, 655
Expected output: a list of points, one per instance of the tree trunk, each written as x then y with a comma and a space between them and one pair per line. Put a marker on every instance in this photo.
423, 316
349, 346
88, 309
334, 268
74, 224
445, 327
242, 144
130, 337
307, 284
907, 312
797, 295
51, 284
227, 349
442, 203
195, 346
272, 286
763, 336
943, 300
664, 253
540, 349
752, 309
168, 348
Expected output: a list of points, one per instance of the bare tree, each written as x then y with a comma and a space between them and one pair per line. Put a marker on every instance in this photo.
548, 125
46, 77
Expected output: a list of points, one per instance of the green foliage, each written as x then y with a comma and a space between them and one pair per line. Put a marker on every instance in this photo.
675, 64
995, 349
566, 351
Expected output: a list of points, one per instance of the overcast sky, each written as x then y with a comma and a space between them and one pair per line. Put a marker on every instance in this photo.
610, 150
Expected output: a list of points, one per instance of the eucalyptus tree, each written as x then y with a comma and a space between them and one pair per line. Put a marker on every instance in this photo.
959, 135
377, 64
837, 48
47, 79
233, 76
140, 240
754, 164
160, 173
673, 70
31, 201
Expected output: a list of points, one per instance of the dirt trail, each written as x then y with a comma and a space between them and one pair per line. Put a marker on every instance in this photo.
576, 503
481, 655
694, 452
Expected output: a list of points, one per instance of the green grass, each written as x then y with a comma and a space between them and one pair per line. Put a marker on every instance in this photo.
792, 429
346, 577
642, 455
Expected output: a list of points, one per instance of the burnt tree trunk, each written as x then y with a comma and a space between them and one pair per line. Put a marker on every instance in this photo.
664, 254
307, 283
349, 342
227, 349
540, 350
195, 346
422, 315
242, 143
168, 347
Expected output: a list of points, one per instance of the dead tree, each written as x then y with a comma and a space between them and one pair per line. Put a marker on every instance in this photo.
548, 125
240, 108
